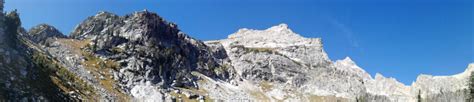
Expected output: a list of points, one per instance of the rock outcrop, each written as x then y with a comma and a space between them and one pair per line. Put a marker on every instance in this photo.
43, 34
146, 50
287, 66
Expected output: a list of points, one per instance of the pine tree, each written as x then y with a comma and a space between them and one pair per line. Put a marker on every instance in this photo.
470, 97
419, 96
12, 22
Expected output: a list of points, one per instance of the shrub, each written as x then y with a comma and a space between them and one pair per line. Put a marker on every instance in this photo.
12, 23
470, 97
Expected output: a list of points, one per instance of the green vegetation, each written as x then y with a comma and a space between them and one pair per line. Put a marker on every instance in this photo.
191, 99
221, 69
97, 66
197, 91
260, 96
116, 50
313, 98
361, 99
61, 77
418, 98
12, 23
470, 97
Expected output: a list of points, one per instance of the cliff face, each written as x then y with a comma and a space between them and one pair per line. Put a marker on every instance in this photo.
142, 57
123, 56
286, 66
444, 88
44, 34
147, 50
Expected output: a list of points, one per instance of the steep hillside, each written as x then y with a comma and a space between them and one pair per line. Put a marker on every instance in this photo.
27, 73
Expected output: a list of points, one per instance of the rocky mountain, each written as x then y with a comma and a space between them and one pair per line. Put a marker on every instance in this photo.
142, 57
145, 50
43, 34
286, 66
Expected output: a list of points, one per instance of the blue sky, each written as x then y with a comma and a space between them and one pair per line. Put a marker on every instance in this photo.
399, 39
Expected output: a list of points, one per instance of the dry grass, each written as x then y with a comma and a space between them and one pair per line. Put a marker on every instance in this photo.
259, 96
187, 99
259, 50
314, 98
97, 66
76, 45
266, 86
63, 78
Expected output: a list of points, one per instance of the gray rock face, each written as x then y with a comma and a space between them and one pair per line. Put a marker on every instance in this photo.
148, 49
289, 62
44, 33
276, 54
72, 60
444, 88
94, 25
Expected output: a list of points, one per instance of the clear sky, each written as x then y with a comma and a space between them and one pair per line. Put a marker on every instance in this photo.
397, 38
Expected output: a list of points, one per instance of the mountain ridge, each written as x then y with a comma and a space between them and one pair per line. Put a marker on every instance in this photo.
142, 57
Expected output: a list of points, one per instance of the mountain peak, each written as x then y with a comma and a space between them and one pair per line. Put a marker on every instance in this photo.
470, 68
348, 59
278, 36
347, 62
43, 32
379, 76
280, 28
105, 14
140, 22
277, 31
43, 27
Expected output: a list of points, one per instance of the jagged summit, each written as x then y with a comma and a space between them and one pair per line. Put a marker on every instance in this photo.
348, 60
45, 28
43, 32
277, 31
104, 14
276, 36
43, 25
348, 65
104, 23
141, 26
379, 76
279, 39
280, 28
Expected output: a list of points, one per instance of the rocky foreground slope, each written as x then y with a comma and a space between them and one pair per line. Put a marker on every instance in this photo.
142, 57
